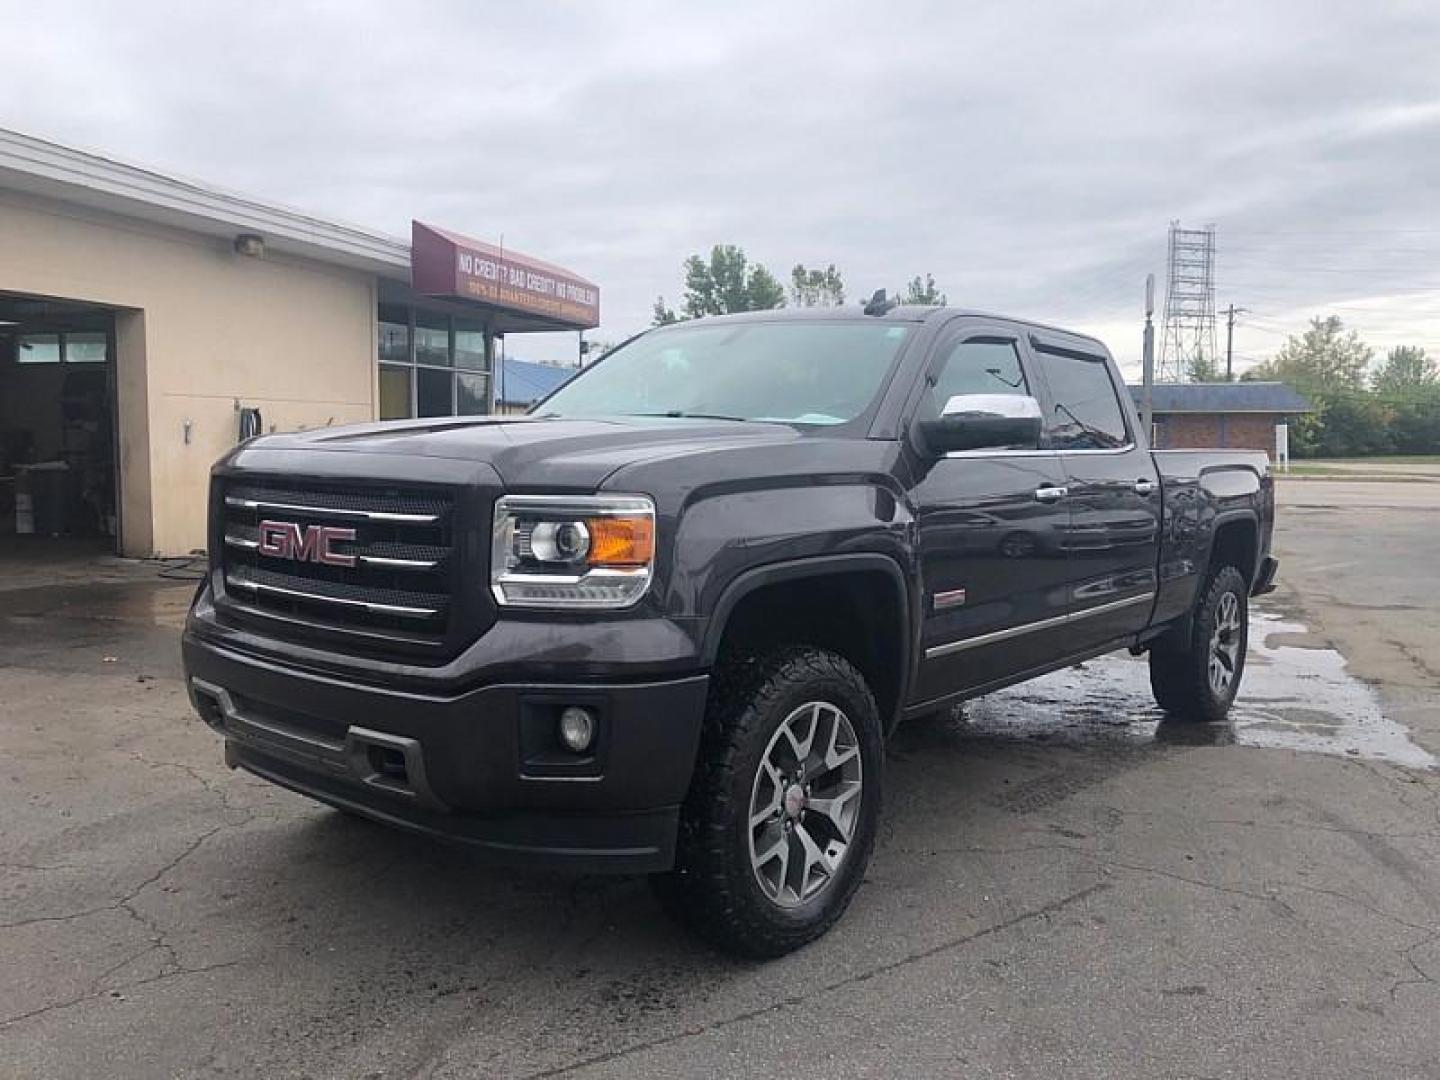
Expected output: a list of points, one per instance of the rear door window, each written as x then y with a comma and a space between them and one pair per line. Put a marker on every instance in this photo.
1084, 412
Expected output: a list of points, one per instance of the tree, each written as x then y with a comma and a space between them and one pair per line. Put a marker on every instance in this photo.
923, 292
728, 283
1406, 369
1327, 364
1415, 424
816, 288
1323, 358
1203, 369
1353, 423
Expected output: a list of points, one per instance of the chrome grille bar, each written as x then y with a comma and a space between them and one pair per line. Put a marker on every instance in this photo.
298, 594
386, 561
331, 511
398, 564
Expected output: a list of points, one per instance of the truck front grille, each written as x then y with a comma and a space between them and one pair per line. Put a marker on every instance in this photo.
342, 559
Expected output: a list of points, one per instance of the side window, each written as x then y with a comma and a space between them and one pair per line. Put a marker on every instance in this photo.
977, 366
1085, 414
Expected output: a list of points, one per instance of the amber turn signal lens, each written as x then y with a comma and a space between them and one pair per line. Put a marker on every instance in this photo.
621, 541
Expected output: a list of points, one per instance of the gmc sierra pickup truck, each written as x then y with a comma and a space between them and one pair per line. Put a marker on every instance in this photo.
665, 622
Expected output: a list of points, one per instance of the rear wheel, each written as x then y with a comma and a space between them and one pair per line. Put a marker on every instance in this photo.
780, 820
1198, 680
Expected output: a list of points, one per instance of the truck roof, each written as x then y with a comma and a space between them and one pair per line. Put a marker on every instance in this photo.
914, 313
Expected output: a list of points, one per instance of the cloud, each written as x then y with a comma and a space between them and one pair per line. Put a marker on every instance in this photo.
1029, 155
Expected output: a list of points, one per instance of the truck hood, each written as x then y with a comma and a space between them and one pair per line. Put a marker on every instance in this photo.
541, 453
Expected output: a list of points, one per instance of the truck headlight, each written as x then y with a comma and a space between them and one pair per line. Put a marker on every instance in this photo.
572, 551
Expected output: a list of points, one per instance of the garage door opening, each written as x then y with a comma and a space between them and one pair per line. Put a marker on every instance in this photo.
58, 480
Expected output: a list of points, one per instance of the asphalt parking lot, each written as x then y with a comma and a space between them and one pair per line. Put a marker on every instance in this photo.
1065, 886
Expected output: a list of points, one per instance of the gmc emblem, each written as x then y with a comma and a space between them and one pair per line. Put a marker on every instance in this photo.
304, 543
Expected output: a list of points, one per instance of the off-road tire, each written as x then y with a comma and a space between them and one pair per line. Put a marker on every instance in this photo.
1180, 671
713, 889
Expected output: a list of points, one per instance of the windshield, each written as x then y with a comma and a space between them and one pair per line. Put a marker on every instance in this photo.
796, 372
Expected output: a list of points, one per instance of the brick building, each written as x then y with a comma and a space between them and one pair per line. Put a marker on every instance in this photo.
1239, 415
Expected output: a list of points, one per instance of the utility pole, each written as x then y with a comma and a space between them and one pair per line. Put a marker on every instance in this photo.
1147, 362
1230, 314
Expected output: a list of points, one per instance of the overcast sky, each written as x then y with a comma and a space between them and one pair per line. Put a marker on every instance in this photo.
1030, 156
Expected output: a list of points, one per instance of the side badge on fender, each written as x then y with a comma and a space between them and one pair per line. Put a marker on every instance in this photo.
953, 598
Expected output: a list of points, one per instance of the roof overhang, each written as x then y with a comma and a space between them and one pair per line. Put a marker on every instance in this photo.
510, 292
102, 183
1161, 410
1260, 398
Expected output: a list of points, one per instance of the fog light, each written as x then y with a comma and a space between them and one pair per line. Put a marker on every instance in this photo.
577, 728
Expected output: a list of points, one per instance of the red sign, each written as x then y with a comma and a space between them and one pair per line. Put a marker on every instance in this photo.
447, 264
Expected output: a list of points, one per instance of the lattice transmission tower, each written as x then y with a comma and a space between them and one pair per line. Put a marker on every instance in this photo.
1189, 302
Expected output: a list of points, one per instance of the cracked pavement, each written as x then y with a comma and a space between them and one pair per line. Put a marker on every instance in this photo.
1070, 908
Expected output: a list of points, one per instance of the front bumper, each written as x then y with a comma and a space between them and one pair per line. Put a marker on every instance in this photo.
473, 767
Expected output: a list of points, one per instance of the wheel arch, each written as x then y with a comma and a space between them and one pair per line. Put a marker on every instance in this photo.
1236, 541
864, 616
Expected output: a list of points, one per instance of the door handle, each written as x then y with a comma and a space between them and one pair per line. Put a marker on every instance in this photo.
1051, 494
1144, 487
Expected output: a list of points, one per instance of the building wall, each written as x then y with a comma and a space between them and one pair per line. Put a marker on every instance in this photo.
202, 328
1235, 431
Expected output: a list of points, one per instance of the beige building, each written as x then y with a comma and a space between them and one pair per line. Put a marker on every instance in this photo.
143, 317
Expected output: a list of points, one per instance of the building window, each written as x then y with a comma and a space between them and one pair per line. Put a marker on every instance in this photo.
432, 339
433, 393
38, 349
72, 347
419, 354
394, 334
87, 347
470, 397
395, 392
469, 345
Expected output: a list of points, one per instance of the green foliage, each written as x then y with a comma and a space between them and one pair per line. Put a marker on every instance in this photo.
1406, 368
816, 288
1203, 369
728, 283
923, 292
1353, 424
1415, 420
1407, 387
1306, 432
763, 291
1323, 358
1398, 413
662, 315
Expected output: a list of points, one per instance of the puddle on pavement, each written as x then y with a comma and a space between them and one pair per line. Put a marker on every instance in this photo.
1292, 697
159, 602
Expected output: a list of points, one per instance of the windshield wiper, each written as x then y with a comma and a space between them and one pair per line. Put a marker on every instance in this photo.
680, 414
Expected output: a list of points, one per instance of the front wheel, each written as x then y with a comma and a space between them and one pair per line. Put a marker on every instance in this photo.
1198, 680
780, 820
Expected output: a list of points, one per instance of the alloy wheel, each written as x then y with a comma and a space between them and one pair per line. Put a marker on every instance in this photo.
805, 803
1225, 644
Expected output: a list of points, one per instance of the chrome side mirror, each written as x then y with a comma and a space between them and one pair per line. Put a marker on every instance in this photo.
984, 422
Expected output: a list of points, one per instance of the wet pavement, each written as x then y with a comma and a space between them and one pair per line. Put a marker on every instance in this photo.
1066, 885
1296, 697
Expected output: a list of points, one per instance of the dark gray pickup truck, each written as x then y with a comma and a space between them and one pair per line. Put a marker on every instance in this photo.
665, 623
